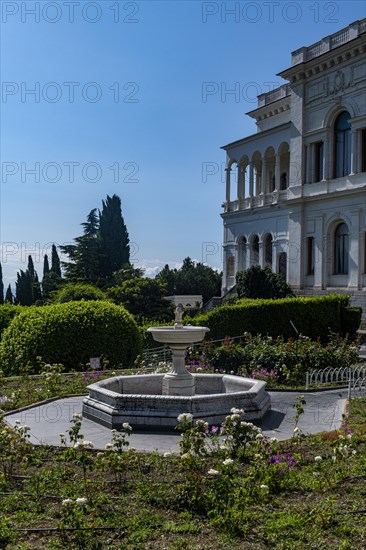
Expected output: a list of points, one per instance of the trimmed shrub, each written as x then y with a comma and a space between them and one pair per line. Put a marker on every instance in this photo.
256, 282
7, 314
313, 317
351, 320
75, 292
70, 334
276, 359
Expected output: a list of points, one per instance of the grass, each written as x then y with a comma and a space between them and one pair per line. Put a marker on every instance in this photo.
144, 501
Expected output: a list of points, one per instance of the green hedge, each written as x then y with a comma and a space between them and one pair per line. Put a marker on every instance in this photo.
351, 319
70, 334
75, 292
313, 317
7, 314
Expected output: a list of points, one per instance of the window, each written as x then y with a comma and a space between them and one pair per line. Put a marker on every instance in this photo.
282, 264
283, 181
342, 145
242, 253
255, 250
363, 150
319, 159
341, 250
268, 251
230, 266
310, 255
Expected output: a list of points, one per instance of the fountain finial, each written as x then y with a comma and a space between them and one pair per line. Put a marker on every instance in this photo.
178, 316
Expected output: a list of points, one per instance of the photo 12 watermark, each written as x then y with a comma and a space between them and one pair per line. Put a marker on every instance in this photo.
69, 92
68, 172
269, 12
235, 92
18, 252
29, 12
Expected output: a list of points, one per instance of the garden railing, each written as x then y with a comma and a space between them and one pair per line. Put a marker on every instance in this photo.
331, 375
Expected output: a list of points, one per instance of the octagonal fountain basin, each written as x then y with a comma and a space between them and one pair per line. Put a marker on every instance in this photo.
139, 400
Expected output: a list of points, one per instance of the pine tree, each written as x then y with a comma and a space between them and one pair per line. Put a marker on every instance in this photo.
55, 261
84, 256
1, 286
114, 240
103, 249
9, 296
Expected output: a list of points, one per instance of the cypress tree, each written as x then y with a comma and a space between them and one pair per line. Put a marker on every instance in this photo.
9, 296
1, 286
36, 287
46, 265
31, 267
55, 261
114, 239
24, 288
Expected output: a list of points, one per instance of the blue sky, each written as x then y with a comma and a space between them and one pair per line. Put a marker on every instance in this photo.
134, 98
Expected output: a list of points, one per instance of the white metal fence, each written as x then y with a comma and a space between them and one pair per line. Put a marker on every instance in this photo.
357, 387
330, 375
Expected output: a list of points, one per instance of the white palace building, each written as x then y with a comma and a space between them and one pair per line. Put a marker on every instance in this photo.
296, 190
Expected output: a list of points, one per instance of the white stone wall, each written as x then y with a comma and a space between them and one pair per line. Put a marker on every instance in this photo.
303, 113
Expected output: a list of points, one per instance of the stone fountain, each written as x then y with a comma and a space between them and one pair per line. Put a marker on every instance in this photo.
153, 401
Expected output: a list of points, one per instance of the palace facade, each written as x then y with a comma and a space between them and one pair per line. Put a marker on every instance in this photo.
296, 190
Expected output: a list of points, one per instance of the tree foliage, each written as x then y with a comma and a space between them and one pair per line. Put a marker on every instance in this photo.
74, 292
1, 286
256, 282
144, 298
55, 261
192, 278
114, 239
70, 334
9, 296
24, 288
103, 247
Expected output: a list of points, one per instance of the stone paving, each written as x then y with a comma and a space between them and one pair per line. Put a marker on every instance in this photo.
323, 412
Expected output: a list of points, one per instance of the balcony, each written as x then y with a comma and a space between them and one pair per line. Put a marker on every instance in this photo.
256, 202
329, 43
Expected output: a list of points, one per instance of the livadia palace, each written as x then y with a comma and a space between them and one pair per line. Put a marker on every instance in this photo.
296, 190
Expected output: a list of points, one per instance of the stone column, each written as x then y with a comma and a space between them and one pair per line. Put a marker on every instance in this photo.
261, 254
326, 158
264, 177
251, 179
228, 171
277, 172
354, 263
308, 175
236, 253
354, 150
241, 180
320, 257
274, 256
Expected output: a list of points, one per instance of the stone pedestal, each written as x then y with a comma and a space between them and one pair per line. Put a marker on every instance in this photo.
175, 384
178, 381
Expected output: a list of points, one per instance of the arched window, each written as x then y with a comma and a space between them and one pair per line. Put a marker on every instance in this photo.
341, 250
242, 244
342, 130
283, 181
268, 251
282, 264
230, 266
255, 250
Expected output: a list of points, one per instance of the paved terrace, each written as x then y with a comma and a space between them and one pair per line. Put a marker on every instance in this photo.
323, 412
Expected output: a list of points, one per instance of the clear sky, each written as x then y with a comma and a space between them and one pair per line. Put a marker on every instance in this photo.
134, 98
